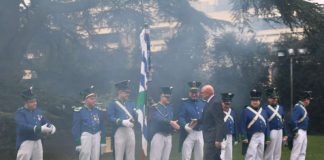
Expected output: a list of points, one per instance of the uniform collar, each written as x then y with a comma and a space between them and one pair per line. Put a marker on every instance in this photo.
87, 107
301, 103
25, 107
229, 110
120, 100
277, 105
162, 104
256, 109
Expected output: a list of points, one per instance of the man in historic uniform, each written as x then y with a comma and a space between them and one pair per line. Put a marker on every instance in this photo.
162, 126
254, 128
31, 125
276, 118
122, 116
299, 125
191, 138
213, 124
88, 128
230, 127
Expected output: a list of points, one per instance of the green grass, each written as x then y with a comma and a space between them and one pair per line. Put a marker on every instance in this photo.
315, 150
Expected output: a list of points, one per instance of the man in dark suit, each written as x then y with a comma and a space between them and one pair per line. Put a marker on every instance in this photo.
213, 124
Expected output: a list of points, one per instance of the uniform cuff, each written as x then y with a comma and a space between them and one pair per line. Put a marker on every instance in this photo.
119, 121
37, 129
167, 122
295, 130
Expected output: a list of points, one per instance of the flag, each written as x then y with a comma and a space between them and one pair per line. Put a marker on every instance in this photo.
144, 78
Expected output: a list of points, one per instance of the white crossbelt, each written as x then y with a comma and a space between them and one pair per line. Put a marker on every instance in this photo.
257, 115
121, 106
275, 113
228, 115
305, 114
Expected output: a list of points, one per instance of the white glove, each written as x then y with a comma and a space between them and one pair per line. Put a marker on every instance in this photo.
235, 143
45, 129
245, 141
53, 129
223, 145
127, 123
78, 148
188, 129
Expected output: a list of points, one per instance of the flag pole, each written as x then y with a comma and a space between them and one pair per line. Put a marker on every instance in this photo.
142, 99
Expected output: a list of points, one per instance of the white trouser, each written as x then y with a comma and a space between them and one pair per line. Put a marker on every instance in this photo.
195, 141
256, 147
30, 150
298, 151
124, 143
227, 148
273, 150
90, 146
161, 147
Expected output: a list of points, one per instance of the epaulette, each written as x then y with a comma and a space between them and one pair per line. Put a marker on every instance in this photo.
155, 104
76, 109
101, 109
299, 104
20, 108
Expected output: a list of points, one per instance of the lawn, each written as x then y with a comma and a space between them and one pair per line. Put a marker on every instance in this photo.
315, 150
59, 150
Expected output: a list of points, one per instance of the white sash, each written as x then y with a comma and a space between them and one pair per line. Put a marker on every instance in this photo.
121, 106
305, 114
165, 116
228, 115
257, 115
275, 113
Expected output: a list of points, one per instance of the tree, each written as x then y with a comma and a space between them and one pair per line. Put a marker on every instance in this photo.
239, 65
307, 70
